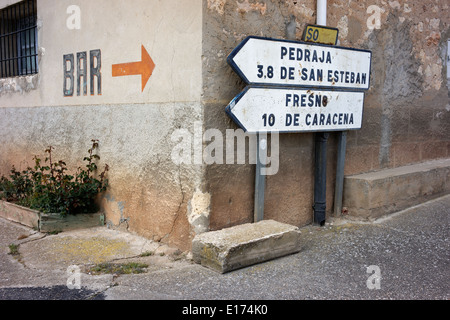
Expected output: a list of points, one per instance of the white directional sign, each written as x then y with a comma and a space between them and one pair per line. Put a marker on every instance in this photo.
259, 109
265, 61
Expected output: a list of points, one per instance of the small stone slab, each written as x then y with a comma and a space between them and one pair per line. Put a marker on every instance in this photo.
54, 222
19, 214
240, 246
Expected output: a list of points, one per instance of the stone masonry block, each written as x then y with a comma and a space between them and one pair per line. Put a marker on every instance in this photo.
374, 194
243, 245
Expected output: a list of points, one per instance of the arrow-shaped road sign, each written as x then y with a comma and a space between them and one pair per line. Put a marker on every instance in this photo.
266, 61
258, 109
144, 68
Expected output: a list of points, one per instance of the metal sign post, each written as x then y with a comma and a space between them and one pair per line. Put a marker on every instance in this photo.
260, 179
339, 187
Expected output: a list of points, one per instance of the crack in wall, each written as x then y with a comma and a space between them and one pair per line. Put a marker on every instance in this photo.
180, 205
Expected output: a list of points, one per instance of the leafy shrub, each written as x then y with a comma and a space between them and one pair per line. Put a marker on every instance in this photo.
49, 188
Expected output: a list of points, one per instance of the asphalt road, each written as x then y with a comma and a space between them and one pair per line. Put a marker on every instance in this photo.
402, 257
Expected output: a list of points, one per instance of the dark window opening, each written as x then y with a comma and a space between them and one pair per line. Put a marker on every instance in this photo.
18, 39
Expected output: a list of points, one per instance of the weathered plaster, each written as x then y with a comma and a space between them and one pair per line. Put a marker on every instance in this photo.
198, 211
148, 192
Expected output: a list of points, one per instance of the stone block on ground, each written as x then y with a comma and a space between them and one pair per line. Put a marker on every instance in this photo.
243, 245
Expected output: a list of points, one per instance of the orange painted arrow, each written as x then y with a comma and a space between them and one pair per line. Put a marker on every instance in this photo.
144, 68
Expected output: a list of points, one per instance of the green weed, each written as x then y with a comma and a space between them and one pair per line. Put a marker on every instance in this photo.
118, 268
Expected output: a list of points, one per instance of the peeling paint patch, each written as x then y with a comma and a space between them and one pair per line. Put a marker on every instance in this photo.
420, 26
394, 4
406, 8
217, 5
343, 27
434, 23
115, 210
198, 211
245, 7
433, 75
306, 12
433, 39
431, 68
19, 85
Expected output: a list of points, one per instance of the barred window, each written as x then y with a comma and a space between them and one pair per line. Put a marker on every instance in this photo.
18, 39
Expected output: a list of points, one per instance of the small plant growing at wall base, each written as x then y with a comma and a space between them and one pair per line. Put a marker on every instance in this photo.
49, 188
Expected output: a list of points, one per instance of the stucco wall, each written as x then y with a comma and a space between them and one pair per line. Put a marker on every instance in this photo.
169, 30
406, 117
149, 192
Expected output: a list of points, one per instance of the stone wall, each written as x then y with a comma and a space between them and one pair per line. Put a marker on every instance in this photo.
407, 112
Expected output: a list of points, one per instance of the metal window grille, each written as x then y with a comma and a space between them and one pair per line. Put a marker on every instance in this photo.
18, 39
